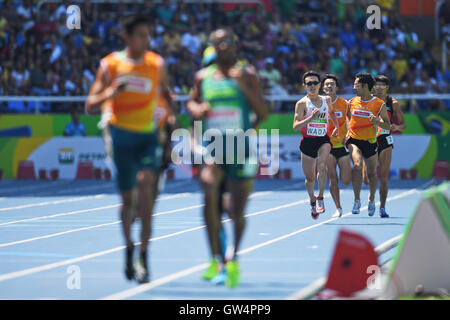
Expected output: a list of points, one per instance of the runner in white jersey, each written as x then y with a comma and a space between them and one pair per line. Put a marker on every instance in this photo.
311, 118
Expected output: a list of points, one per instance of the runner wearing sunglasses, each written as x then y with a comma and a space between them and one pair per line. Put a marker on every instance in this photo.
311, 118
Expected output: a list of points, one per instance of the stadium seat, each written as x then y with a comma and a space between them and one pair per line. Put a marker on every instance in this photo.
403, 174
26, 170
441, 169
54, 174
97, 173
85, 170
170, 174
43, 174
107, 174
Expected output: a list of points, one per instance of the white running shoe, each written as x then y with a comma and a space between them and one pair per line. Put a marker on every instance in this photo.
314, 213
371, 208
338, 213
320, 205
356, 207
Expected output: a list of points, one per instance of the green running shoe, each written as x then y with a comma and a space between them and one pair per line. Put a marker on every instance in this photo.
212, 270
232, 269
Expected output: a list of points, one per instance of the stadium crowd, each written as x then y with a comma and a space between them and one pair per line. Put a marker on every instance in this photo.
39, 55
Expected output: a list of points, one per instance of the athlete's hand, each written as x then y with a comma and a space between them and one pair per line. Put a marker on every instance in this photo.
201, 110
395, 127
374, 120
315, 113
335, 132
118, 85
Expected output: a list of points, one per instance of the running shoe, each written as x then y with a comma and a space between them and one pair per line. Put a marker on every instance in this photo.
220, 278
320, 205
212, 270
129, 268
338, 213
141, 275
383, 213
232, 270
314, 213
371, 208
356, 207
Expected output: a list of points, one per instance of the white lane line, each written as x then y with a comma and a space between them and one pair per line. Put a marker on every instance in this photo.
47, 203
17, 274
7, 244
175, 196
161, 281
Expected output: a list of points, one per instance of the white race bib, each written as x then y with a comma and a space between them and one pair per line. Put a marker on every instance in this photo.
317, 129
390, 140
223, 118
339, 114
362, 113
137, 84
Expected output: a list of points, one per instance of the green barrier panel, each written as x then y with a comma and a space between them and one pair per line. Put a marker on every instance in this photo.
54, 125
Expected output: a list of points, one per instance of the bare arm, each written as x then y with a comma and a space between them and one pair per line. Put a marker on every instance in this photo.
196, 106
101, 90
399, 114
300, 112
249, 85
332, 115
384, 121
165, 92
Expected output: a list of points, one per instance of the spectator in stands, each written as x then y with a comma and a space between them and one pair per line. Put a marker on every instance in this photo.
272, 75
294, 41
75, 128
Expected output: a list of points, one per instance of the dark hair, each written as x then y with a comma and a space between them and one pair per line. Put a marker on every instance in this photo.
331, 76
310, 73
382, 78
367, 78
131, 22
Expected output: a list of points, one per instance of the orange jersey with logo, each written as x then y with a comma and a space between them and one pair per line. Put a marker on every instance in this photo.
360, 127
340, 110
133, 108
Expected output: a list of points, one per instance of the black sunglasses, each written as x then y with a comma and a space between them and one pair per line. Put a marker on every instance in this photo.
312, 83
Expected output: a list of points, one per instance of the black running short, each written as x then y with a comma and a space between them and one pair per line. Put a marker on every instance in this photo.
311, 146
385, 141
339, 152
367, 149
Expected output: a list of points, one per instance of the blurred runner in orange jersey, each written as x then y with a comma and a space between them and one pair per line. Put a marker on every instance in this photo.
385, 140
127, 88
363, 114
339, 155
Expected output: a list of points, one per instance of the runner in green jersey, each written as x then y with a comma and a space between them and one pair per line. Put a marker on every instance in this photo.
224, 96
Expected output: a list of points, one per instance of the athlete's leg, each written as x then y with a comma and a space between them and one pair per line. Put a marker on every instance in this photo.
364, 173
309, 170
334, 184
356, 156
345, 170
385, 165
239, 192
322, 157
146, 184
371, 164
126, 216
211, 178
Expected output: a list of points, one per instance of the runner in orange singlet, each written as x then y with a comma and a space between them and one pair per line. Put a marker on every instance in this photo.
127, 87
363, 114
339, 155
